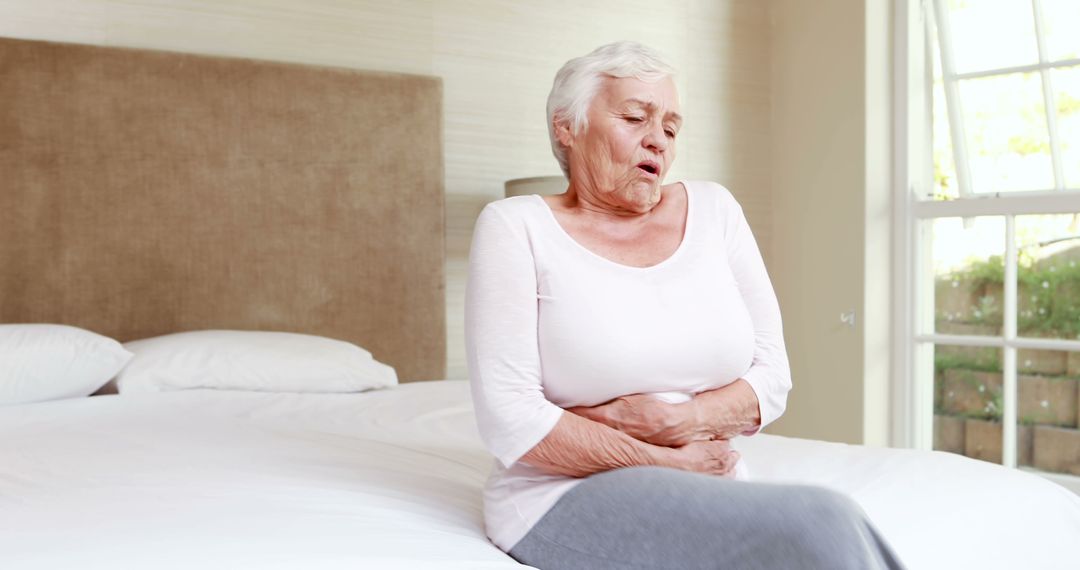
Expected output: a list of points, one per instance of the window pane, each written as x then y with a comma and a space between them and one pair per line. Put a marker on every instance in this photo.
1062, 20
1048, 278
1007, 138
945, 185
1067, 99
1047, 437
968, 275
991, 35
968, 401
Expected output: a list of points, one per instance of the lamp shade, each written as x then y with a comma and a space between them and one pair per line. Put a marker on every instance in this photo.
543, 185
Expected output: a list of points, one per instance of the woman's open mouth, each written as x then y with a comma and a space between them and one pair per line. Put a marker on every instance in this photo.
649, 167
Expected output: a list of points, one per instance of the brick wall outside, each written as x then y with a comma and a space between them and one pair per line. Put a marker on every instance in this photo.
968, 385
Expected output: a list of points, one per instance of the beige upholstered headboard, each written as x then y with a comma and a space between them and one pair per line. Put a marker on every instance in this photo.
143, 193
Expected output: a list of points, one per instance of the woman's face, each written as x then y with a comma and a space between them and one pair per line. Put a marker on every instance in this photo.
621, 158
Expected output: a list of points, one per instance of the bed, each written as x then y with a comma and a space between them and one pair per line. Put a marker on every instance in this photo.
148, 193
392, 479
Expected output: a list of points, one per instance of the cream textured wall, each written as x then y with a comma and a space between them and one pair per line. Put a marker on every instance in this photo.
878, 233
497, 60
831, 219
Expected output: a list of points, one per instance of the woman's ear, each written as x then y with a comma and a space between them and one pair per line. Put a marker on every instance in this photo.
562, 133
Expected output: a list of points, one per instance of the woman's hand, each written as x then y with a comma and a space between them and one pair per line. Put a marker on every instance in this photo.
650, 419
729, 411
713, 457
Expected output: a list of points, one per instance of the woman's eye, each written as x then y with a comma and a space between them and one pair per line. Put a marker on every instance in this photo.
634, 119
670, 133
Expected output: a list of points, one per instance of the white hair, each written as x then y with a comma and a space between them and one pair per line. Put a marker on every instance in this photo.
577, 83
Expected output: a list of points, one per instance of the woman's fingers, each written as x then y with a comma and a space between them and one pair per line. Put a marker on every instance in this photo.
729, 463
649, 419
637, 415
714, 457
724, 459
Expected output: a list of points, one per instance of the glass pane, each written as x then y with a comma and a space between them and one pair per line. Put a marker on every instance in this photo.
945, 186
1008, 141
1048, 278
991, 35
968, 401
1067, 99
968, 260
1062, 20
1047, 437
944, 166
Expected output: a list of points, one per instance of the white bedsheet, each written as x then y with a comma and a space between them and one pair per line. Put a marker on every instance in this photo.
392, 479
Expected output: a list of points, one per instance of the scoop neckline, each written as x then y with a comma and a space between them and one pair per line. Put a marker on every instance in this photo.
666, 261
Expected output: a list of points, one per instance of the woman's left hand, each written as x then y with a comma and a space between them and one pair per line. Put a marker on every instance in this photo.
650, 419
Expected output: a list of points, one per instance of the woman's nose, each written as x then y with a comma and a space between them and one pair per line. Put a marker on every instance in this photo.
656, 139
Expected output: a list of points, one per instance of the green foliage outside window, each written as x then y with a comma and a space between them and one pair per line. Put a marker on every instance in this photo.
1048, 294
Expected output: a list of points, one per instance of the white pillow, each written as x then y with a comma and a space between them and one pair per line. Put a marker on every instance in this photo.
251, 360
40, 362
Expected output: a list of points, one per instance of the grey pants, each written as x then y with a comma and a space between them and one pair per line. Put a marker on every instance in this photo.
653, 517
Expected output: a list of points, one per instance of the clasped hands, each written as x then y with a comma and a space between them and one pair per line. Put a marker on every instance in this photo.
697, 431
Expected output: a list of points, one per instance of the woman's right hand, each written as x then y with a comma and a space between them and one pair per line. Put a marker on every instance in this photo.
714, 457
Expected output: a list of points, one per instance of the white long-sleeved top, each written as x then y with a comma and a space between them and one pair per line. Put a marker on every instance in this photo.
550, 324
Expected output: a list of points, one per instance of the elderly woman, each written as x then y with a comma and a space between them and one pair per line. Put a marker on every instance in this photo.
619, 335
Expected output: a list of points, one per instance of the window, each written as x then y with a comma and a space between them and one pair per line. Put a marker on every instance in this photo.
989, 231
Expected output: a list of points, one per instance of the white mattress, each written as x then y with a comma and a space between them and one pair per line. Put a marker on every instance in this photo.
392, 479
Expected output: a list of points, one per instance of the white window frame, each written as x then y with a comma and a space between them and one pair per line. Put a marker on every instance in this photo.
913, 336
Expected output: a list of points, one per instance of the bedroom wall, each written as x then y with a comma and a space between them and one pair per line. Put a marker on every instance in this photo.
497, 59
831, 82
